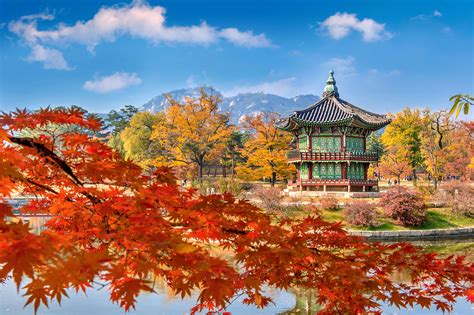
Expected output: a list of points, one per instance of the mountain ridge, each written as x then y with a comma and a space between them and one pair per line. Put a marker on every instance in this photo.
238, 105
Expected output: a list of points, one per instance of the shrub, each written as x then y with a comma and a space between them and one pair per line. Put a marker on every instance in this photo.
291, 209
227, 185
457, 195
360, 213
328, 203
271, 198
426, 191
404, 205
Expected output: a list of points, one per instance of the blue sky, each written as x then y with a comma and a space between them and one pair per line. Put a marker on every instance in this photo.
103, 55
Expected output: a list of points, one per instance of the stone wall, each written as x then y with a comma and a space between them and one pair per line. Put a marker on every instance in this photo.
407, 235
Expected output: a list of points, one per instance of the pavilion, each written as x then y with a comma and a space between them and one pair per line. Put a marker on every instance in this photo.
329, 147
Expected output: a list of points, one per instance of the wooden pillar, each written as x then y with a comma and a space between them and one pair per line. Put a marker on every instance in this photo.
344, 170
310, 170
363, 188
366, 169
324, 188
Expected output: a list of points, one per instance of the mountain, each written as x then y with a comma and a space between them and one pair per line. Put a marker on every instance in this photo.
240, 104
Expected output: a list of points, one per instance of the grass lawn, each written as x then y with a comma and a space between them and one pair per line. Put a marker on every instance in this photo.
437, 218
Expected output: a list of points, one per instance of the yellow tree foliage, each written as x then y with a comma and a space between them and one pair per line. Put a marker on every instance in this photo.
265, 150
193, 132
136, 138
405, 131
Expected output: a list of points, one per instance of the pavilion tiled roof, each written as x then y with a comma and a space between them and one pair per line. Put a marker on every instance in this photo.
332, 110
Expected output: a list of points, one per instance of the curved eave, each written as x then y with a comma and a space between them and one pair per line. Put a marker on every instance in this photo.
341, 122
370, 125
286, 124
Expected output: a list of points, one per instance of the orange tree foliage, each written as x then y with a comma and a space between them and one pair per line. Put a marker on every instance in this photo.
394, 163
266, 148
135, 226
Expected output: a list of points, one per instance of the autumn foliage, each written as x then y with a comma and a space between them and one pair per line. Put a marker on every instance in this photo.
404, 205
117, 225
361, 213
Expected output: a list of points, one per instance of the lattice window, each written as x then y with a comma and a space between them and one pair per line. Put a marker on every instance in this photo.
326, 144
316, 170
354, 144
304, 171
303, 143
323, 171
330, 171
338, 171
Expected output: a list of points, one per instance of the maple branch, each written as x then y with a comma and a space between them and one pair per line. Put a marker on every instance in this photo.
55, 159
45, 152
30, 181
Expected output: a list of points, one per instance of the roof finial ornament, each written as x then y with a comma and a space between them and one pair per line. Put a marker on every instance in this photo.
331, 88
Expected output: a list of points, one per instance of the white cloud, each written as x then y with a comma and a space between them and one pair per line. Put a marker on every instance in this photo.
114, 82
423, 17
343, 67
283, 87
391, 73
245, 39
50, 57
138, 19
340, 25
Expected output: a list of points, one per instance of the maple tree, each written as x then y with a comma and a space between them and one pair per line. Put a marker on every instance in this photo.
265, 150
394, 163
111, 222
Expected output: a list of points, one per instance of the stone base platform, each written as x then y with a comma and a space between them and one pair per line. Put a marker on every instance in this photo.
336, 194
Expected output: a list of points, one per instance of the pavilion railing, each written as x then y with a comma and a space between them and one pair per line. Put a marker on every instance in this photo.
320, 181
296, 155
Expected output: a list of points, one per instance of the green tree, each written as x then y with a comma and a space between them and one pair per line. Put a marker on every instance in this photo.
233, 152
374, 143
118, 121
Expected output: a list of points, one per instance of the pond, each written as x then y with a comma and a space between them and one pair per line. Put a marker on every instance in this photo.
164, 302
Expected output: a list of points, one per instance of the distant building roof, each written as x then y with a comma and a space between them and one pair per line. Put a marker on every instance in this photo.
331, 111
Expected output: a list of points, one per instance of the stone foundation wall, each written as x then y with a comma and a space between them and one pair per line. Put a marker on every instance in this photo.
407, 235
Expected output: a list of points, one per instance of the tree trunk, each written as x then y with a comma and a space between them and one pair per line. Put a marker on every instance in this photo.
273, 179
435, 180
398, 180
414, 177
200, 173
232, 168
224, 170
